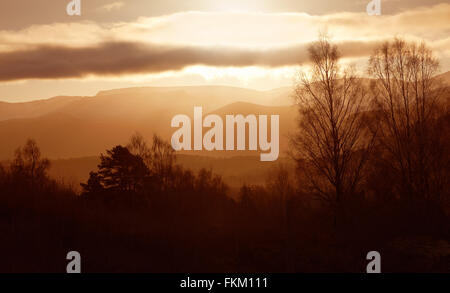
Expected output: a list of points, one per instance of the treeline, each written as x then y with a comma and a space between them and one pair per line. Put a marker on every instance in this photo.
372, 174
380, 139
138, 200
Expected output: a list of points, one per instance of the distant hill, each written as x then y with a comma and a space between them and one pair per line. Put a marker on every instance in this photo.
143, 102
35, 108
445, 77
67, 127
61, 135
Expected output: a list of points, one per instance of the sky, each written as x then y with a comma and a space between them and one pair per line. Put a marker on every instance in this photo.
258, 44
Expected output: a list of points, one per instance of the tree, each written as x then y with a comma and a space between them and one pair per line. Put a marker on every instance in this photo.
279, 184
28, 164
406, 97
138, 146
94, 184
209, 183
159, 158
331, 146
120, 171
163, 159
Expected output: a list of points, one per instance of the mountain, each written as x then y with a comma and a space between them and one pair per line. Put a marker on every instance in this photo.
143, 102
61, 135
35, 108
68, 127
85, 126
445, 77
64, 136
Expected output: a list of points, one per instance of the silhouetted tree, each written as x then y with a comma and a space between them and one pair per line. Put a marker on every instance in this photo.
163, 160
331, 147
279, 183
407, 103
3, 174
138, 146
207, 182
28, 164
93, 185
160, 158
120, 171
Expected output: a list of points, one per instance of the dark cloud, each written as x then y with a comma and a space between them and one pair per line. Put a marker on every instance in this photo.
53, 62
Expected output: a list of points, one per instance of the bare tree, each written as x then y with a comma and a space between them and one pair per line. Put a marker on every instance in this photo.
279, 183
138, 146
29, 164
332, 144
163, 160
407, 100
159, 158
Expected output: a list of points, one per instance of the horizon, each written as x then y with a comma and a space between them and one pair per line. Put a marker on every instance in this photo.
99, 91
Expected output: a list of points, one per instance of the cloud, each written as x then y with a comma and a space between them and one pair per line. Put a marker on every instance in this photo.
237, 28
117, 58
217, 39
112, 6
